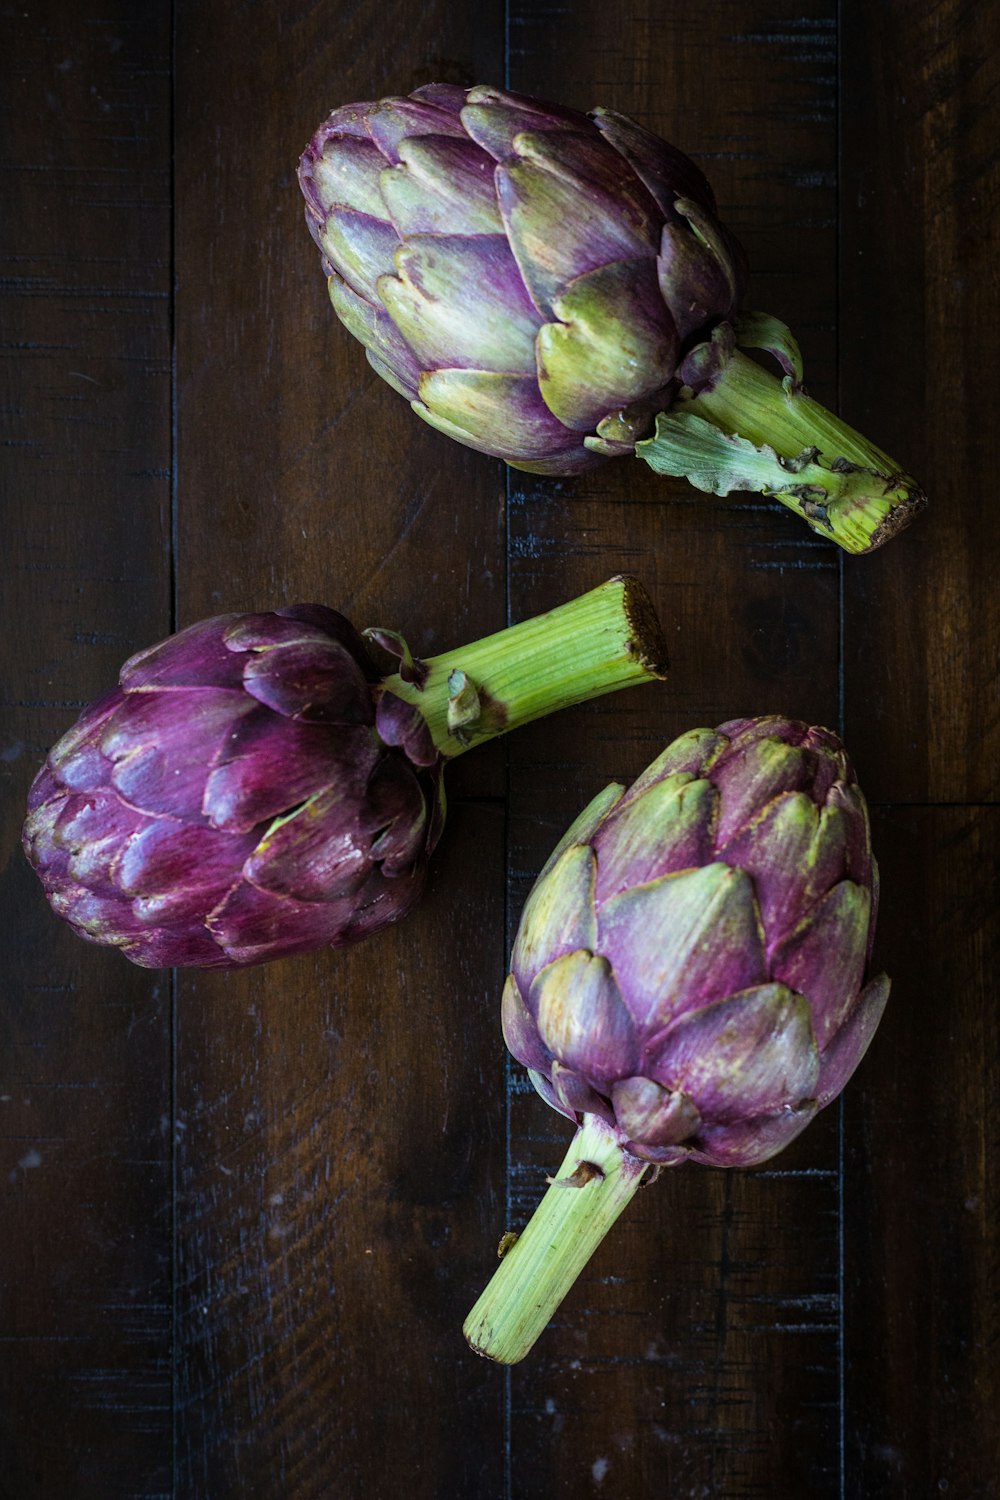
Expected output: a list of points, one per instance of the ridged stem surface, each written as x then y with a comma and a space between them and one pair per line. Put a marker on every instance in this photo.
595, 1183
607, 639
754, 432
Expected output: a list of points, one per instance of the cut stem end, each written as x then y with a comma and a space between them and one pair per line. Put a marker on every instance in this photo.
748, 430
607, 639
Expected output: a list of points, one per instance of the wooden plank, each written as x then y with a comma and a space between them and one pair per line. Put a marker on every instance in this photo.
85, 1142
922, 1196
339, 1164
820, 1327
920, 304
700, 1352
340, 1168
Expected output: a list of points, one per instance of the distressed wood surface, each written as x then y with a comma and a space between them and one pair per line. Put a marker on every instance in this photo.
701, 1346
244, 1214
86, 1221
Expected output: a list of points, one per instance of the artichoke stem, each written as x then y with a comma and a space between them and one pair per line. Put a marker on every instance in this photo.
753, 431
596, 1181
607, 639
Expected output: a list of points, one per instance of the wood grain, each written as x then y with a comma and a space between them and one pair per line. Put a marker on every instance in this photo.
338, 1160
920, 302
244, 1215
85, 1133
700, 1352
922, 1193
338, 1173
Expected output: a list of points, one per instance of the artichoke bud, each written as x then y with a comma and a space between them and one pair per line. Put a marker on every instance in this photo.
688, 983
546, 286
234, 801
520, 271
695, 958
255, 788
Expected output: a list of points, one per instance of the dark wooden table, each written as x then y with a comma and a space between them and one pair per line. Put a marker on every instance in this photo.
244, 1214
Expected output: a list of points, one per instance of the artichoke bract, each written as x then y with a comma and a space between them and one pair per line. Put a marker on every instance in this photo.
555, 289
688, 983
255, 787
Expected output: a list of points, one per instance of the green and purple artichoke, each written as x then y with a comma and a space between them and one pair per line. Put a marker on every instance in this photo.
688, 981
520, 272
254, 787
550, 287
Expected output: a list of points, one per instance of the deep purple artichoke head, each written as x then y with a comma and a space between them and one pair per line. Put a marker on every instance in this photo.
690, 965
535, 281
247, 792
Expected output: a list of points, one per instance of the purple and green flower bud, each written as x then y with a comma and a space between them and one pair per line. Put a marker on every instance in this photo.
255, 787
556, 288
688, 982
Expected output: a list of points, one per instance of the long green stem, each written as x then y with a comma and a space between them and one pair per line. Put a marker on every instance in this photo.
752, 431
607, 639
596, 1181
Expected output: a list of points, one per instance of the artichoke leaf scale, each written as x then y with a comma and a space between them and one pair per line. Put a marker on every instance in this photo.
666, 172
176, 873
746, 782
441, 186
750, 1054
315, 853
393, 121
443, 424
691, 281
848, 1046
361, 248
372, 326
824, 956
589, 171
681, 941
390, 374
273, 764
558, 916
158, 760
494, 118
552, 241
581, 1016
665, 829
481, 402
94, 833
520, 1033
749, 1143
586, 823
794, 851
250, 921
615, 343
544, 1088
459, 303
348, 174
200, 658
694, 752
309, 680
653, 1115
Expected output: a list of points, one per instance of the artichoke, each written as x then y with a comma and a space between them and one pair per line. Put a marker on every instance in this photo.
555, 288
687, 983
255, 788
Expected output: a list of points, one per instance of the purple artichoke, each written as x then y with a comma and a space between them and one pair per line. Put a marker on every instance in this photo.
688, 979
254, 788
544, 286
482, 246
